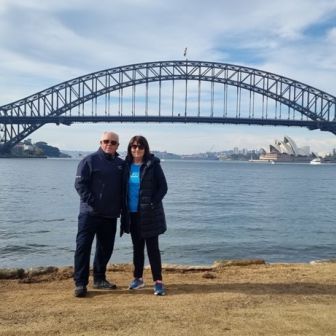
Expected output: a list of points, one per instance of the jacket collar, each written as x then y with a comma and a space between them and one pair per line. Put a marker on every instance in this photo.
150, 161
106, 155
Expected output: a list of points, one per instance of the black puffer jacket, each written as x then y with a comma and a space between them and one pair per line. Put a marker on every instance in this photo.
99, 184
153, 187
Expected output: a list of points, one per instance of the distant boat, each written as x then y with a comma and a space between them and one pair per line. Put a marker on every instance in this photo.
262, 161
316, 161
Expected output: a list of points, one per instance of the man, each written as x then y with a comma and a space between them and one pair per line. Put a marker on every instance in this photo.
99, 185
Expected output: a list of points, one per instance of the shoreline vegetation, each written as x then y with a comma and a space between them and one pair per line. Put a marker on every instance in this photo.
229, 297
29, 150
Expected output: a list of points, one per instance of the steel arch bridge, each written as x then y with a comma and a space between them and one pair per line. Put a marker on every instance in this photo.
232, 94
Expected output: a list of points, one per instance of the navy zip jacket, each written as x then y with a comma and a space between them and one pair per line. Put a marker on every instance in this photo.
99, 184
153, 188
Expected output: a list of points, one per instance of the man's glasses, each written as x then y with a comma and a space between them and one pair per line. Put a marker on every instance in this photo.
111, 142
141, 147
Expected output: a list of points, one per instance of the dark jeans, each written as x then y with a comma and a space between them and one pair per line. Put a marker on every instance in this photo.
88, 227
153, 250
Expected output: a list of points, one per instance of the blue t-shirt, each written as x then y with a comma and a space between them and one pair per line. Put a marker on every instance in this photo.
133, 188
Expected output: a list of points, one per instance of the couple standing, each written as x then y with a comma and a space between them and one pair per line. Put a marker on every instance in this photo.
108, 186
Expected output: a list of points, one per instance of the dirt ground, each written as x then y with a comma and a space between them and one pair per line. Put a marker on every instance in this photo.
278, 299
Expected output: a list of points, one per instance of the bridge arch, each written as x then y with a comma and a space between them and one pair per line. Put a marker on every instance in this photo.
307, 106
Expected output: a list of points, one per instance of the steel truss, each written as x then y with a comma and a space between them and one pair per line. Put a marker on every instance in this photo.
23, 117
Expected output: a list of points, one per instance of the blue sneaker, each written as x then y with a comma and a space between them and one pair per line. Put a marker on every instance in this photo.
159, 289
136, 284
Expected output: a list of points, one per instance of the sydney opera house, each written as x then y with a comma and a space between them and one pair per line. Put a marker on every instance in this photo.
286, 150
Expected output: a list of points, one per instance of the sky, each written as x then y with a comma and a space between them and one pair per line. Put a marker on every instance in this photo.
43, 43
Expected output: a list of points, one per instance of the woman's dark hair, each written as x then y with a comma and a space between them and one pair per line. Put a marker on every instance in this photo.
140, 140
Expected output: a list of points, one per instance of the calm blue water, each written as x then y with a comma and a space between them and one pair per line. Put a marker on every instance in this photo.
215, 210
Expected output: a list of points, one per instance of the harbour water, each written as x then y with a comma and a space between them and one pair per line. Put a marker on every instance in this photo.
215, 210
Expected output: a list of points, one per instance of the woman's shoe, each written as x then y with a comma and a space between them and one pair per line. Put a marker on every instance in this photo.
136, 284
159, 289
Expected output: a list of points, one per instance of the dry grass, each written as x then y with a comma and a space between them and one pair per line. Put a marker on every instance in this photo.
295, 299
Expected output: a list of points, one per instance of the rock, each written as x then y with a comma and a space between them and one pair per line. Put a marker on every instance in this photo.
323, 261
185, 268
65, 272
238, 262
120, 267
12, 273
33, 271
208, 275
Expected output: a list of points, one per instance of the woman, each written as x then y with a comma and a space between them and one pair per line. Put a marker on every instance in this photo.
145, 186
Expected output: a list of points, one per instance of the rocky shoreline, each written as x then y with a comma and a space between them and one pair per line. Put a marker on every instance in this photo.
31, 274
67, 271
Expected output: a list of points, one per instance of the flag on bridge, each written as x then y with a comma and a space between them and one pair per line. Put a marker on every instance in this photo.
185, 52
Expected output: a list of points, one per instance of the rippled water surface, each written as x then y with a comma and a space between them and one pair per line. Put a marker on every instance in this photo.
215, 210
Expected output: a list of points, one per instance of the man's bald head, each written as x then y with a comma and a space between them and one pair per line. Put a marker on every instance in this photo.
109, 142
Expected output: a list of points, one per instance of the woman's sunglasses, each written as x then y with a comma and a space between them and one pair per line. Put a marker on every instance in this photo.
141, 147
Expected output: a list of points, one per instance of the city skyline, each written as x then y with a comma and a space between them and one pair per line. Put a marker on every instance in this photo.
53, 42
237, 150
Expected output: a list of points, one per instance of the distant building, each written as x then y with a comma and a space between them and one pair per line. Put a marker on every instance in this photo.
28, 148
286, 150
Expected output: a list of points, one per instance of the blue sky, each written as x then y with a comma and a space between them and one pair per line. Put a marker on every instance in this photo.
43, 43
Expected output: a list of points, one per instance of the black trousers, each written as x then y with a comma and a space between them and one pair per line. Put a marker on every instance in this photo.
153, 250
88, 227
